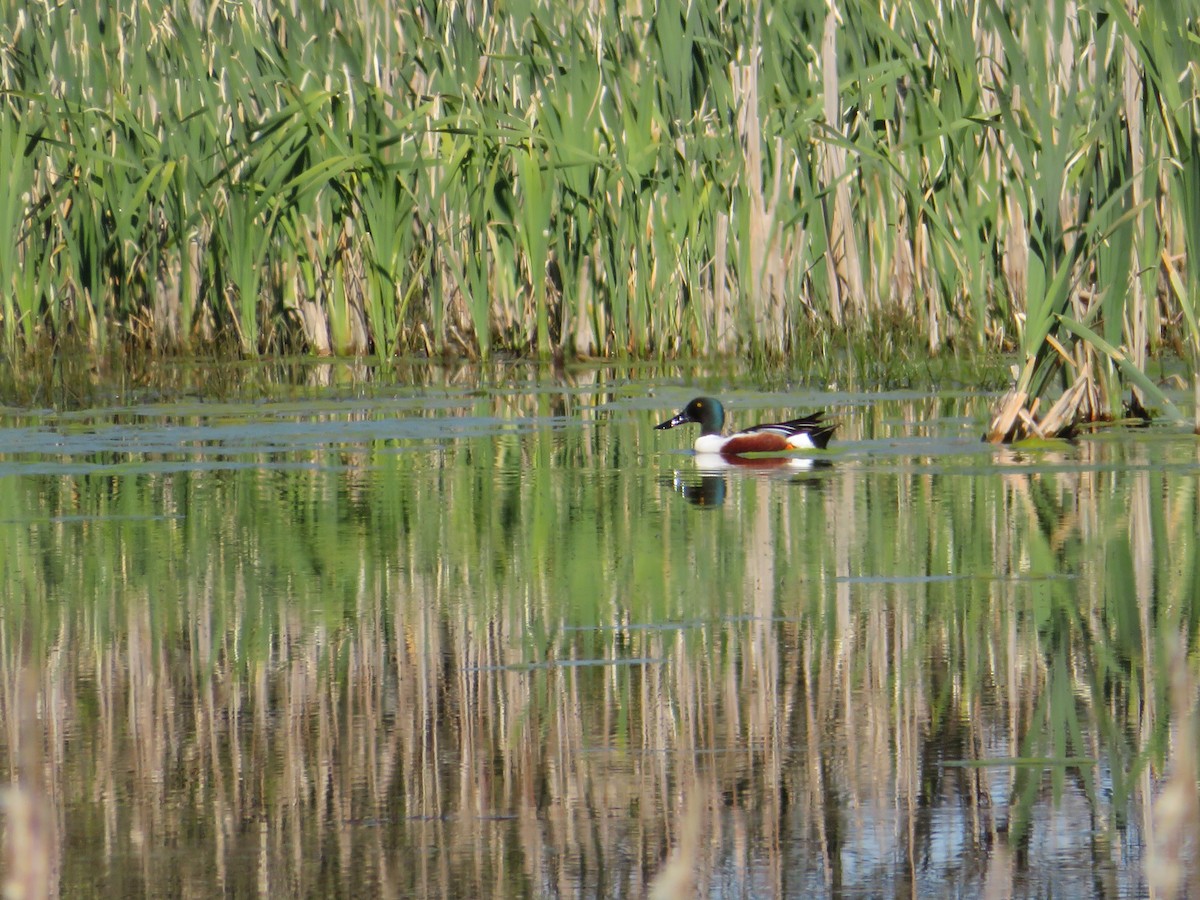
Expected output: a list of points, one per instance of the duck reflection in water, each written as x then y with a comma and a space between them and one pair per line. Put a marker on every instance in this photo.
706, 484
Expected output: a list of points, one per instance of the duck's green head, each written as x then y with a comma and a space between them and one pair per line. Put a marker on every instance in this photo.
705, 411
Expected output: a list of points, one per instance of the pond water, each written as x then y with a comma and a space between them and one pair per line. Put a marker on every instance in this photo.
469, 634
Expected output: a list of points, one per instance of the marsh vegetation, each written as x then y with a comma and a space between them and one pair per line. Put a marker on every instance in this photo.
584, 179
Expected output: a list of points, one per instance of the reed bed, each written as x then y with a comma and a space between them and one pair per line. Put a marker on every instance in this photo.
317, 686
588, 179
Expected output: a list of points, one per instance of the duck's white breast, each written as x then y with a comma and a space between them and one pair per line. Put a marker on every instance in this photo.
709, 443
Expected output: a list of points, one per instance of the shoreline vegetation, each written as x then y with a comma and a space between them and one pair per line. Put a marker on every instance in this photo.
578, 180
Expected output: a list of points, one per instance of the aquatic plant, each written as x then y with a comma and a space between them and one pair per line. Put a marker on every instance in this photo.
574, 179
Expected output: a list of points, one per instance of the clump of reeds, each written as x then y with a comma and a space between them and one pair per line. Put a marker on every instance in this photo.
560, 179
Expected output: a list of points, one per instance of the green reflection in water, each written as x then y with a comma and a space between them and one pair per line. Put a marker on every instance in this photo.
512, 641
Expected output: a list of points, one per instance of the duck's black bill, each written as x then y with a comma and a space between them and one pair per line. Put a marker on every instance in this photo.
671, 423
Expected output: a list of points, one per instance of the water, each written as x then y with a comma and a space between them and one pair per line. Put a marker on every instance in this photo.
497, 637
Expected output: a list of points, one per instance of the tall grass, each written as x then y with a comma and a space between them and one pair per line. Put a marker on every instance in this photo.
671, 178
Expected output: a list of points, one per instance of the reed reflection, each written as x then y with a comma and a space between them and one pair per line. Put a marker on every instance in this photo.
513, 665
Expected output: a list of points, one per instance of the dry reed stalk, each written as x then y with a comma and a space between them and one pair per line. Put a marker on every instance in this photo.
584, 337
903, 280
166, 311
724, 324
1134, 115
847, 297
1008, 411
766, 266
314, 322
1060, 418
1015, 262
1016, 417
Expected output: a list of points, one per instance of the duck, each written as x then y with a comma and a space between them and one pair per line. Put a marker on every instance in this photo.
806, 433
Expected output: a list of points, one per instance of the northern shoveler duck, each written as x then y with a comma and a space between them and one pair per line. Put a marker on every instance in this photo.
806, 433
